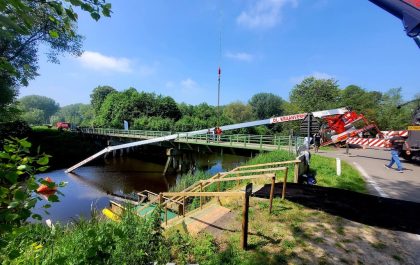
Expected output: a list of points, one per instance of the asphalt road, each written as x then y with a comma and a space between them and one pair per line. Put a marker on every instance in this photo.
382, 181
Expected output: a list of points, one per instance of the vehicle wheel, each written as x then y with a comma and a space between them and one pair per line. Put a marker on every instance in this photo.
405, 156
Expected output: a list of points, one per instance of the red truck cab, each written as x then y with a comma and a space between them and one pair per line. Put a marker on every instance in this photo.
62, 125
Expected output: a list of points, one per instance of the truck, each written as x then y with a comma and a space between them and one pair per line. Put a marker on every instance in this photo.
413, 137
61, 125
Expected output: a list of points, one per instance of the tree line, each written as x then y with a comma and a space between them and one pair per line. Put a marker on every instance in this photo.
108, 108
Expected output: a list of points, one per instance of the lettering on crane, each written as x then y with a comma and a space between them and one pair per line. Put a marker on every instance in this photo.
288, 118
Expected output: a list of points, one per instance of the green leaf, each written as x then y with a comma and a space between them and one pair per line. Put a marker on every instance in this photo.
42, 169
76, 2
37, 216
32, 185
95, 16
25, 143
43, 161
53, 34
46, 206
20, 195
71, 14
87, 7
13, 204
4, 155
53, 198
3, 192
11, 177
21, 167
31, 204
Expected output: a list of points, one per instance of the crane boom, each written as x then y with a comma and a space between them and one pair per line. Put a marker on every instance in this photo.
203, 131
408, 11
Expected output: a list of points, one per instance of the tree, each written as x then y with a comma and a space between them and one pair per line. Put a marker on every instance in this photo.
25, 25
167, 108
315, 94
389, 116
362, 101
98, 96
34, 116
77, 114
266, 105
238, 112
38, 109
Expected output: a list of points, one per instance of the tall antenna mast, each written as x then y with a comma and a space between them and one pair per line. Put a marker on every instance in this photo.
219, 71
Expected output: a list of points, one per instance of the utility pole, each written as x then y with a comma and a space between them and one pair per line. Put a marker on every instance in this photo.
218, 97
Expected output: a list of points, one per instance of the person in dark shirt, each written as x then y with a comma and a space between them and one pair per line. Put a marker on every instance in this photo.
317, 142
396, 143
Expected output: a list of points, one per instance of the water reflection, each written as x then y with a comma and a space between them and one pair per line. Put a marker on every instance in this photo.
96, 184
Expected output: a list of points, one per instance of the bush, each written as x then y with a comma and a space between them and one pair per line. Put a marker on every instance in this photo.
133, 240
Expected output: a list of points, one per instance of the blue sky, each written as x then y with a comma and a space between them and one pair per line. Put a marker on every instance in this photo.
172, 48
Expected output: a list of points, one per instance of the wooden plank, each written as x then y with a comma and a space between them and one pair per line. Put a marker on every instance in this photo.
204, 194
270, 164
254, 171
237, 178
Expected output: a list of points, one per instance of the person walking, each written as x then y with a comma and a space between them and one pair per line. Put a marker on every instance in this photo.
396, 143
317, 142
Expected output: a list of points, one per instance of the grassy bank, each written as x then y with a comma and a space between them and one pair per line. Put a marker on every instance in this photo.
323, 167
291, 235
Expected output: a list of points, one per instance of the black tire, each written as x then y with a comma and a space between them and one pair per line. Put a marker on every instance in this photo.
406, 157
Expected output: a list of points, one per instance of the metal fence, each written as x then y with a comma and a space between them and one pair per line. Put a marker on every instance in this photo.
235, 140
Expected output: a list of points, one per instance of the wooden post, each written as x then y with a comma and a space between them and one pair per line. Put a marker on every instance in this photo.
244, 239
160, 198
296, 173
183, 206
201, 198
283, 193
261, 140
273, 182
218, 189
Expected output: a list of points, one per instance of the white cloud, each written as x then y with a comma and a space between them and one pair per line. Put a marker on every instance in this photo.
263, 13
240, 56
186, 87
189, 85
100, 62
317, 75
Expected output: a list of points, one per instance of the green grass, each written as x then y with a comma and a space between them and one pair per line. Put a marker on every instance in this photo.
325, 168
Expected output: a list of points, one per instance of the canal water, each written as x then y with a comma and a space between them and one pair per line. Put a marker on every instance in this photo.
93, 186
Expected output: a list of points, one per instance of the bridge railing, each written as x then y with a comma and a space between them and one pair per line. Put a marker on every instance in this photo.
245, 139
231, 139
119, 132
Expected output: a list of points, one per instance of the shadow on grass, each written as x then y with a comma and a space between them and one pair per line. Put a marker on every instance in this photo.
363, 208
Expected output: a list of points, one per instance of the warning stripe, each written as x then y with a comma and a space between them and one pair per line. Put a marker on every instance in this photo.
403, 133
372, 142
